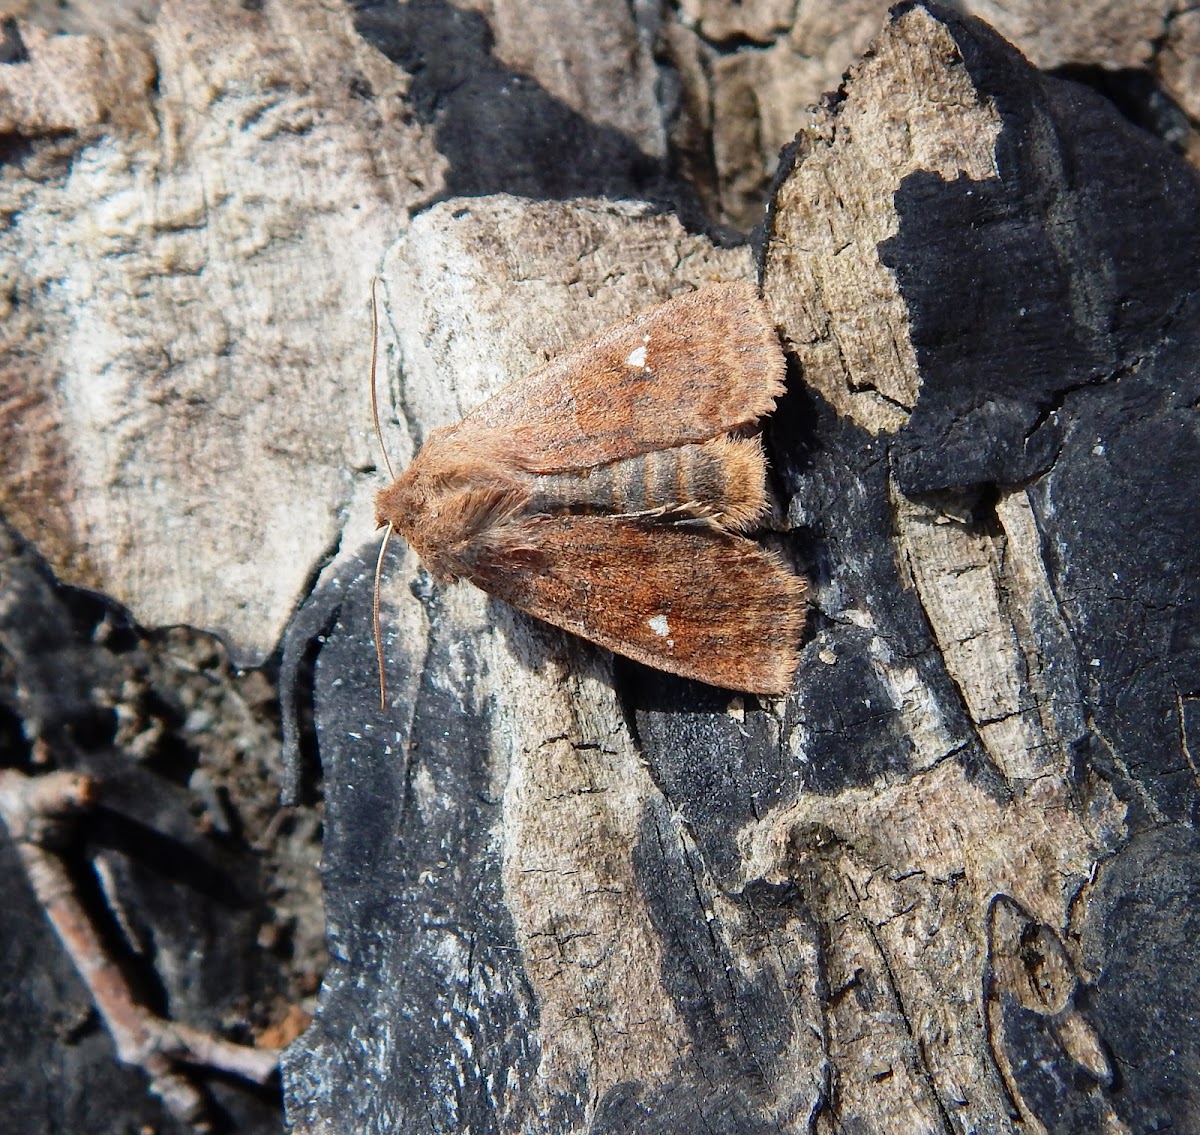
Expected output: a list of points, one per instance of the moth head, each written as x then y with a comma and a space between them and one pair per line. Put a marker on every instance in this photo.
414, 505
446, 501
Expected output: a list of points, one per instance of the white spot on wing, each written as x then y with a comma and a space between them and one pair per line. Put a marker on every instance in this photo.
660, 626
637, 357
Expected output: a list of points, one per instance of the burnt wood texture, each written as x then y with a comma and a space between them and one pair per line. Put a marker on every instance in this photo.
946, 883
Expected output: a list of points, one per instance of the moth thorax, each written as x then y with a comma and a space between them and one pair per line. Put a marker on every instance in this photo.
723, 479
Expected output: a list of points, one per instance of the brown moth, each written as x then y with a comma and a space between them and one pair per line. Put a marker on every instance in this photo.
609, 492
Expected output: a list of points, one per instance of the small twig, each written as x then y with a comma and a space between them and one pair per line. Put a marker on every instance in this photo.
35, 811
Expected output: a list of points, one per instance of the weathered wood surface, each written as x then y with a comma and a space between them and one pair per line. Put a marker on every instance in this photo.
944, 885
900, 897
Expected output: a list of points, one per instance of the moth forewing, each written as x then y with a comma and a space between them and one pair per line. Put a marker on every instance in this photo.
691, 369
694, 601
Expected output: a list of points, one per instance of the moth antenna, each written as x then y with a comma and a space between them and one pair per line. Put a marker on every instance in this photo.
375, 408
387, 535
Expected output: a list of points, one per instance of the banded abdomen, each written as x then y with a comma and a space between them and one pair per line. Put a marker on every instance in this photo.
723, 480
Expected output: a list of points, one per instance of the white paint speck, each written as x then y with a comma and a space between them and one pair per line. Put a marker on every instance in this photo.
637, 358
660, 626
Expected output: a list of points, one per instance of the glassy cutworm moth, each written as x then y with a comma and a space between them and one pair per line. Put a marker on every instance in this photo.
610, 491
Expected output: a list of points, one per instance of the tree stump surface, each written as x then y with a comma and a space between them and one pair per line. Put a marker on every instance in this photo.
945, 884
899, 896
